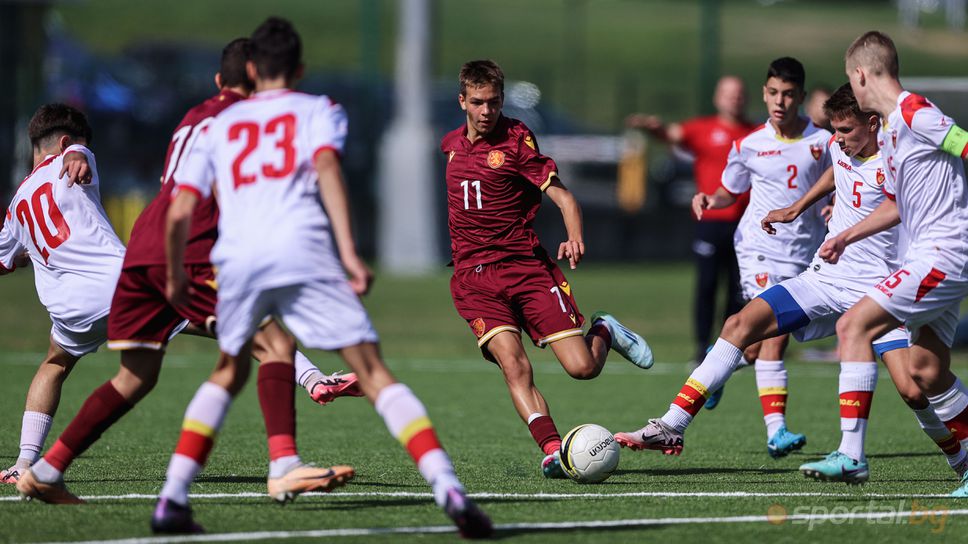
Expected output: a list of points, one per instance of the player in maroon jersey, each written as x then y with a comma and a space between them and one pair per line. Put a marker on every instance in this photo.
504, 282
708, 139
142, 321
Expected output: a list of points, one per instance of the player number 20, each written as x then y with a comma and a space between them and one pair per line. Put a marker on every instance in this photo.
33, 218
467, 185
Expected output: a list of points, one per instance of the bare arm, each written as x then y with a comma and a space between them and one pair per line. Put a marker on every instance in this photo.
720, 199
332, 189
177, 226
882, 218
824, 186
670, 134
574, 248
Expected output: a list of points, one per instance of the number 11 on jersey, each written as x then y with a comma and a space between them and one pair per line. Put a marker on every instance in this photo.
467, 184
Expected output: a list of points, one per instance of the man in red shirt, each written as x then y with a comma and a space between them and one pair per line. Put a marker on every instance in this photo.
504, 281
708, 139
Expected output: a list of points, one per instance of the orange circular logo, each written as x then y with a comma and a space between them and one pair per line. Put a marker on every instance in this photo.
495, 159
776, 514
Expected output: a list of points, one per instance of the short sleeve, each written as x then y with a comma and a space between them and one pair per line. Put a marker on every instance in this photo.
327, 127
826, 161
196, 171
925, 120
10, 247
538, 169
736, 175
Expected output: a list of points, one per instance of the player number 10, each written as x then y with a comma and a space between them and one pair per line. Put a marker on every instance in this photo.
476, 184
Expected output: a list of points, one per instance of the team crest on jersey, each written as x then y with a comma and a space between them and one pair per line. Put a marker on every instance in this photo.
450, 156
478, 327
495, 159
529, 141
816, 151
880, 177
762, 279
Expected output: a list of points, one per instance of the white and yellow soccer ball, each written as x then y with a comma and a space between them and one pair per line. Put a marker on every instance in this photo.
589, 454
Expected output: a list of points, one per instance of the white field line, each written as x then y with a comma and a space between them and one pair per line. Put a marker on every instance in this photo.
545, 526
539, 496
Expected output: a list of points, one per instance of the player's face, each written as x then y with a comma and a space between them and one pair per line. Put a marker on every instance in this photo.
851, 134
730, 97
483, 106
782, 99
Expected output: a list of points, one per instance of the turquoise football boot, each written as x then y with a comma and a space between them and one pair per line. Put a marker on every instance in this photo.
783, 442
837, 467
627, 343
551, 467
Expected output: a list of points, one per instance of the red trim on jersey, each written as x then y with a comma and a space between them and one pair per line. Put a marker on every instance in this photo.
887, 194
325, 148
739, 141
910, 105
189, 188
5, 269
42, 164
932, 280
833, 138
964, 152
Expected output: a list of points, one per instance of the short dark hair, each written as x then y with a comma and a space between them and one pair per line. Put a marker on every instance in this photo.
275, 48
478, 73
875, 51
788, 69
842, 103
232, 69
56, 119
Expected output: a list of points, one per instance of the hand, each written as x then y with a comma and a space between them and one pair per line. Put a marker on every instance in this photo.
700, 202
76, 168
650, 123
573, 250
827, 212
831, 250
783, 215
360, 275
177, 290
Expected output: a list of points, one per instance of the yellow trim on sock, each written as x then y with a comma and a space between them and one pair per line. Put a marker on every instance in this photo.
414, 427
700, 388
198, 427
776, 390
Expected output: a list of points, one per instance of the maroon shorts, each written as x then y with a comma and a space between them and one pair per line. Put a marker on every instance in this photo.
142, 318
525, 293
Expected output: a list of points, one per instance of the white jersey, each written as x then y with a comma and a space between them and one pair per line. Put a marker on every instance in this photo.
75, 253
777, 171
259, 155
927, 182
859, 189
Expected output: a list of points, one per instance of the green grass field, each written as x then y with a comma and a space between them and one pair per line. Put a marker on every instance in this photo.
430, 348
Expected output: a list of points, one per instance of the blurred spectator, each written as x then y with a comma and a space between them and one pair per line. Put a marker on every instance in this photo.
814, 107
709, 139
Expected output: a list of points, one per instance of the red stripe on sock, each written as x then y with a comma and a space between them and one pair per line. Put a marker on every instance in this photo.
102, 409
282, 445
545, 434
59, 456
959, 425
194, 446
856, 404
689, 400
950, 445
773, 404
421, 443
277, 397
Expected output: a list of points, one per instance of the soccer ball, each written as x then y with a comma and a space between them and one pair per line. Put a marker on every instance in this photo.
589, 454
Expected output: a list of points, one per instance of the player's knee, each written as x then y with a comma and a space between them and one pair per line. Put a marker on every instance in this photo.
851, 329
517, 371
274, 347
736, 330
583, 368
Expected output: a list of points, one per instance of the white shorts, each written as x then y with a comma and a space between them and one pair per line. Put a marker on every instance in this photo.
756, 276
919, 294
80, 341
321, 314
823, 301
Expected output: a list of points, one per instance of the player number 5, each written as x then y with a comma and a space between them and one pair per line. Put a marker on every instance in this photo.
476, 184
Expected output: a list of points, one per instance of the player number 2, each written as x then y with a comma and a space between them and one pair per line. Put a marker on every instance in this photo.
467, 184
32, 215
283, 128
792, 182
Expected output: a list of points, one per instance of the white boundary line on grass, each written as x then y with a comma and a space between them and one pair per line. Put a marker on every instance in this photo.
542, 496
546, 526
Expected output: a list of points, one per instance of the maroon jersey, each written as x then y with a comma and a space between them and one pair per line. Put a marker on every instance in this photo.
494, 188
147, 244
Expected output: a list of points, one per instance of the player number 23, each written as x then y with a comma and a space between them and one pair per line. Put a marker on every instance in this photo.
283, 131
